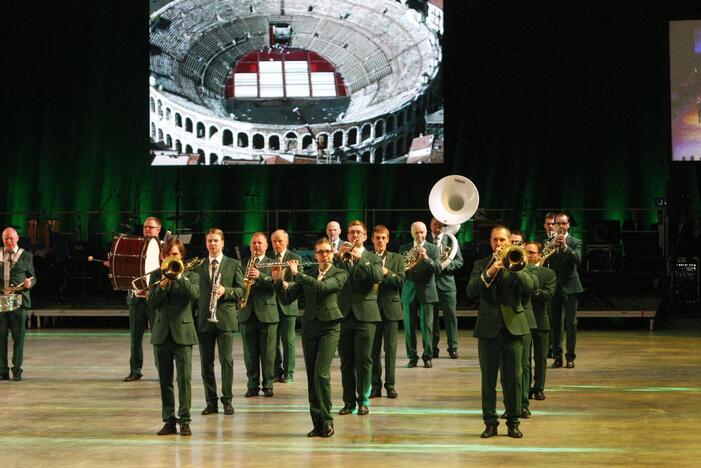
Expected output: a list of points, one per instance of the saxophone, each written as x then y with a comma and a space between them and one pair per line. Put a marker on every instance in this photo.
214, 296
247, 283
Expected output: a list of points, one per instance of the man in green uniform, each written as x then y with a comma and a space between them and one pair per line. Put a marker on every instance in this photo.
447, 292
140, 314
501, 324
388, 299
285, 356
221, 286
173, 335
358, 303
320, 328
419, 294
18, 278
540, 299
258, 320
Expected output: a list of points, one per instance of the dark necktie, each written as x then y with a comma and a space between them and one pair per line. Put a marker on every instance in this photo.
214, 267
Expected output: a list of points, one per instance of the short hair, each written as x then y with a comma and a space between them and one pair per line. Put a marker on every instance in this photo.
261, 234
174, 242
499, 226
550, 215
358, 222
323, 240
284, 233
153, 218
381, 228
537, 244
216, 231
518, 233
562, 213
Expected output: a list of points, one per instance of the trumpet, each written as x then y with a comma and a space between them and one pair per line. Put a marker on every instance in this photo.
347, 256
512, 257
172, 268
551, 246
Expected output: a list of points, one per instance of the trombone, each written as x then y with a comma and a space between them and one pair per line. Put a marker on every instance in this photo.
512, 257
172, 268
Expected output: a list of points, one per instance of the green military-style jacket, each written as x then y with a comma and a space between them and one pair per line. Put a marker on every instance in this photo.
320, 296
174, 308
261, 301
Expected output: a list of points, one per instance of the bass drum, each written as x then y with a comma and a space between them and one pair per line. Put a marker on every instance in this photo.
133, 257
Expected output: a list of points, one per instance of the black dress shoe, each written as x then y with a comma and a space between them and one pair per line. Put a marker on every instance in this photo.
392, 393
453, 355
228, 409
5, 376
132, 377
279, 379
411, 363
18, 376
288, 379
514, 432
428, 364
539, 395
185, 430
525, 413
503, 415
489, 431
326, 432
168, 428
363, 410
435, 354
570, 364
557, 363
210, 409
268, 392
251, 392
314, 433
375, 393
346, 410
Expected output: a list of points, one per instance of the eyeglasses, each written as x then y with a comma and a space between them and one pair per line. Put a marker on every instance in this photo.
321, 252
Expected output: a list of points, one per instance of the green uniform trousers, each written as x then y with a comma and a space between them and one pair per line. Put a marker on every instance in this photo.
166, 354
285, 350
355, 350
258, 351
140, 315
503, 352
319, 343
15, 323
541, 345
526, 370
224, 341
564, 305
423, 314
447, 302
386, 333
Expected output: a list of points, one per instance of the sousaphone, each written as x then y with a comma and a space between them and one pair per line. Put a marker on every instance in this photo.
453, 200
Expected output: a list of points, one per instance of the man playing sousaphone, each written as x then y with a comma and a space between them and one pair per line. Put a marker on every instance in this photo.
18, 278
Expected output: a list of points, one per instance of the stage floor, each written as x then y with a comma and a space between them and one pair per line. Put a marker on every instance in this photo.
633, 399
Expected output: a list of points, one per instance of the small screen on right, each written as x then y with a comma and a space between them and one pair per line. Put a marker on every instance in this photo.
685, 82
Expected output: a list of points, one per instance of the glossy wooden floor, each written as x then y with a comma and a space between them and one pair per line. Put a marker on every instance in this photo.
633, 399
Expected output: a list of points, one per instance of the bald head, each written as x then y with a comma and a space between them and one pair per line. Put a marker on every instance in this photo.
10, 238
333, 230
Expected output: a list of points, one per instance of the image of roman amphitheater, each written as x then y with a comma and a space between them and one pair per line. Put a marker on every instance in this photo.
295, 81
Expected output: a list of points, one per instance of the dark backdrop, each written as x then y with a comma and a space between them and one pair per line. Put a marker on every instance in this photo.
558, 103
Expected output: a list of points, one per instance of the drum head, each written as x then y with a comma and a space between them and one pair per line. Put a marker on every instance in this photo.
152, 257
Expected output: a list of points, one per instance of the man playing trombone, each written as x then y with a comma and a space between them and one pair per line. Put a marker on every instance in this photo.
500, 327
173, 336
